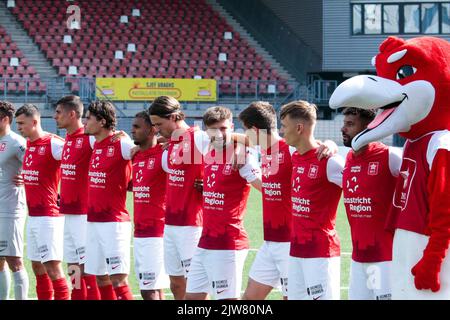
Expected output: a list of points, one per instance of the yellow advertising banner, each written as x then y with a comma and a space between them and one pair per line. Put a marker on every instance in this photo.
145, 89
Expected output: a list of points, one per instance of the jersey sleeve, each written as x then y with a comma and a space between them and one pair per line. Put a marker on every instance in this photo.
201, 140
91, 141
21, 147
395, 160
335, 166
164, 161
251, 170
126, 145
57, 146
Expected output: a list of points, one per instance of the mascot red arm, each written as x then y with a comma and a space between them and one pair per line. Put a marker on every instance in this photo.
412, 92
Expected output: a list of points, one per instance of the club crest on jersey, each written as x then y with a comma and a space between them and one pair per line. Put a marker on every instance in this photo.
407, 173
151, 163
2, 146
110, 152
79, 143
227, 169
373, 168
313, 170
41, 150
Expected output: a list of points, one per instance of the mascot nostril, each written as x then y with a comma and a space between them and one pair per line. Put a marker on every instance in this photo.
412, 91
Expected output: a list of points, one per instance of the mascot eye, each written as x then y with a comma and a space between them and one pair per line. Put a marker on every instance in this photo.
405, 71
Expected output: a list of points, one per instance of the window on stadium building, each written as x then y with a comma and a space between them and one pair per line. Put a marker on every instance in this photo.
401, 18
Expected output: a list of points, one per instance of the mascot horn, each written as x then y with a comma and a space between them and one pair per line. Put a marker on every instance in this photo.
412, 94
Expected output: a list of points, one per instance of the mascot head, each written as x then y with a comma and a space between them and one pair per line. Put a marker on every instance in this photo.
411, 90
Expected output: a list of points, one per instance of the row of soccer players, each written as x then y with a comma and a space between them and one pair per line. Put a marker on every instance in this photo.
300, 240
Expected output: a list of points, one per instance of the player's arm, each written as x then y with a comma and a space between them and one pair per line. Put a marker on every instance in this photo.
335, 166
251, 171
21, 147
126, 144
426, 271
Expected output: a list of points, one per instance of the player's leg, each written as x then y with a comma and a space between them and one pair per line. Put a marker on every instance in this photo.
149, 269
14, 254
96, 262
280, 253
296, 280
50, 241
323, 280
263, 276
225, 268
44, 287
358, 288
198, 284
379, 276
116, 241
5, 280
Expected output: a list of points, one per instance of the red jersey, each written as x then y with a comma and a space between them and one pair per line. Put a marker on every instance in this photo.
316, 190
366, 204
74, 172
183, 201
225, 195
149, 191
109, 175
276, 192
41, 174
411, 205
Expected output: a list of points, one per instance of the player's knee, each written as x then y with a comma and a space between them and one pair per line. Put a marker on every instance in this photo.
54, 269
103, 281
119, 280
38, 268
15, 263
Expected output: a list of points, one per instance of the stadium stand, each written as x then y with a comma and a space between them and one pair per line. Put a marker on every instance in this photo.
17, 75
157, 39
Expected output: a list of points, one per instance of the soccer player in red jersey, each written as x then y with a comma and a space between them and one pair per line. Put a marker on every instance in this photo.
314, 264
108, 227
74, 193
218, 262
270, 268
149, 191
369, 179
183, 219
45, 226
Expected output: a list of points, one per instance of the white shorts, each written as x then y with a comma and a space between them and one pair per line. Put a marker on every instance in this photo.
108, 248
11, 236
217, 272
180, 244
45, 237
75, 238
370, 281
314, 278
271, 265
149, 263
406, 252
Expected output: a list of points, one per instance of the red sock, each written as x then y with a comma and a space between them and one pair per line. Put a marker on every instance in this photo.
107, 293
91, 287
78, 293
123, 293
61, 289
44, 287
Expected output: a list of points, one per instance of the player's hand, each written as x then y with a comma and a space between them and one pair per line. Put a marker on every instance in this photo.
198, 185
18, 180
118, 135
133, 151
326, 149
426, 274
